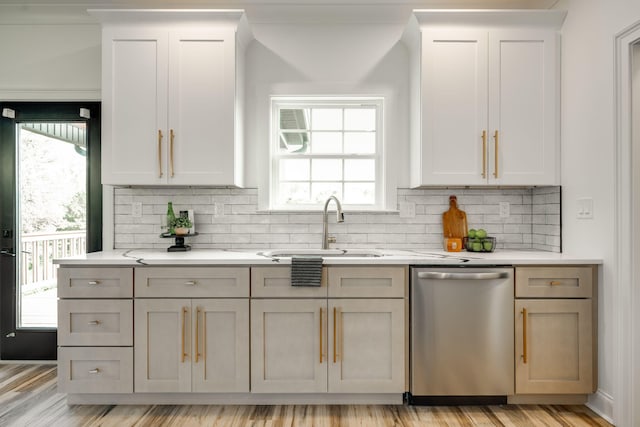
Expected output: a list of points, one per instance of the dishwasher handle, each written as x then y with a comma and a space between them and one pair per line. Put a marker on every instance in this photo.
441, 275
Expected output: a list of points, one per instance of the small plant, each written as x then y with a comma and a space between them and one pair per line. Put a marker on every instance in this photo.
182, 222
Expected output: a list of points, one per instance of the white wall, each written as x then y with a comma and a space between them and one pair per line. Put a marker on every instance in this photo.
49, 61
588, 152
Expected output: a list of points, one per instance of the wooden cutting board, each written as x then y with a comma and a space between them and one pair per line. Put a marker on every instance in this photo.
454, 221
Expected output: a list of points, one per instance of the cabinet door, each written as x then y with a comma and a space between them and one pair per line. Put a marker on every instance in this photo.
221, 345
454, 107
201, 108
161, 345
523, 107
288, 338
134, 96
554, 350
366, 346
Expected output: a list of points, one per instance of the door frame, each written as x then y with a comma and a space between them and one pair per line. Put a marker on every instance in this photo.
626, 322
38, 344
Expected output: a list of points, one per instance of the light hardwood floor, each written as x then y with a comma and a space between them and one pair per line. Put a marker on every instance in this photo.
28, 397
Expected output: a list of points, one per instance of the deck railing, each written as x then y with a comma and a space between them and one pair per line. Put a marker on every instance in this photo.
37, 251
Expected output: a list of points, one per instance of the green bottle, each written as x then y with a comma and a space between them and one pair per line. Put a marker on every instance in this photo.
171, 217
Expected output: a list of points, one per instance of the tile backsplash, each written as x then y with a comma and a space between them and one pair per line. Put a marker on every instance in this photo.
230, 219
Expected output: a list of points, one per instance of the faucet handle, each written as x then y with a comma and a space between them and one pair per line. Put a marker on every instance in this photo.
331, 239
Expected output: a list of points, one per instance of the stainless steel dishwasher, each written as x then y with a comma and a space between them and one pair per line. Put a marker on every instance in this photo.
461, 335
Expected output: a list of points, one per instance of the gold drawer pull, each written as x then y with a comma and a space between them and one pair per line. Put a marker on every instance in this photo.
555, 283
495, 166
93, 282
171, 138
524, 335
184, 332
95, 371
197, 334
190, 283
160, 153
94, 322
321, 335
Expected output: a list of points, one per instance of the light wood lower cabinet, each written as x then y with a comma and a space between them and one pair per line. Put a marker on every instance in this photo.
351, 344
197, 345
366, 346
555, 338
554, 346
288, 346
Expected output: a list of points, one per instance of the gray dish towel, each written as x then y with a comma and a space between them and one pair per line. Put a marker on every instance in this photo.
306, 271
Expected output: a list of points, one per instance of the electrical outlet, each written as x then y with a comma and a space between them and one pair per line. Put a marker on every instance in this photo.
218, 209
505, 209
407, 210
585, 208
136, 209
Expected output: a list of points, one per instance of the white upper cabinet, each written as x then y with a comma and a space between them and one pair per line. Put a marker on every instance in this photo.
485, 97
172, 91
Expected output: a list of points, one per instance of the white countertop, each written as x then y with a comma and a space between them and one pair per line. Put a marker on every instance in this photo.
251, 257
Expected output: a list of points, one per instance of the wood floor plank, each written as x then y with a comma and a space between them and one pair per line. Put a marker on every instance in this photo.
29, 398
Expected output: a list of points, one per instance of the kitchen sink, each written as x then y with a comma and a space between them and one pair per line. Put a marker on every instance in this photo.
325, 253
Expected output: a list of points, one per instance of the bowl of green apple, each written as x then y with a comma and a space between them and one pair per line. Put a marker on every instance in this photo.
479, 241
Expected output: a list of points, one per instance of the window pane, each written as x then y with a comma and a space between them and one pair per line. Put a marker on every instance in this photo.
359, 170
360, 193
360, 119
326, 169
326, 119
294, 119
360, 143
322, 190
294, 142
294, 169
326, 142
293, 193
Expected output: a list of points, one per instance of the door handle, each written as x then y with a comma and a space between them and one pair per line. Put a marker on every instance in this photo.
8, 252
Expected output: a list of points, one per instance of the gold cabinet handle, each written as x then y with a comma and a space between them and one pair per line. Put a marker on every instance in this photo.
495, 166
93, 322
160, 152
197, 352
204, 337
335, 353
184, 325
95, 371
524, 335
484, 153
93, 282
171, 138
190, 283
321, 335
554, 283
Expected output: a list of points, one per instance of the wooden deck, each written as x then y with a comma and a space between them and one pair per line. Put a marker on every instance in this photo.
28, 397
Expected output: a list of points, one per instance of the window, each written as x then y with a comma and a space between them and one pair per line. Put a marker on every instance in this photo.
324, 147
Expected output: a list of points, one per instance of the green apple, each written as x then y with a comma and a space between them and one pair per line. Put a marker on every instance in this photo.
481, 233
471, 234
477, 246
487, 245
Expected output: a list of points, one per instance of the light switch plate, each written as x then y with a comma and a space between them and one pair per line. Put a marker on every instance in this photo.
585, 208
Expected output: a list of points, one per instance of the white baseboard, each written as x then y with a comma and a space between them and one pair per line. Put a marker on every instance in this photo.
602, 404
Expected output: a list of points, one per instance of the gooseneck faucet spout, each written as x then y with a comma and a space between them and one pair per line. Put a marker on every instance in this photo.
325, 223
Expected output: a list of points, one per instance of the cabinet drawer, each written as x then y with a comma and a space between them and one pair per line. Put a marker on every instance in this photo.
275, 282
95, 322
192, 282
367, 282
554, 282
95, 369
84, 282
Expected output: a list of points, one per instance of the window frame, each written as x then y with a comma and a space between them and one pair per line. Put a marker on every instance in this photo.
301, 102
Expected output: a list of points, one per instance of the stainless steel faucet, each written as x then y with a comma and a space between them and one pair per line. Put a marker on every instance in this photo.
325, 223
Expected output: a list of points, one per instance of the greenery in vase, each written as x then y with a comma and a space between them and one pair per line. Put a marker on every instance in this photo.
181, 222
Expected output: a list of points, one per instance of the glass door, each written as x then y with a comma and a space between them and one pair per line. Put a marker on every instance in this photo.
49, 203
